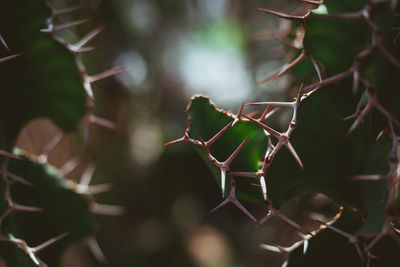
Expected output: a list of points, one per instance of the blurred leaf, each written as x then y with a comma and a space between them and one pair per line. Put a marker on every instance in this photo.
44, 81
64, 211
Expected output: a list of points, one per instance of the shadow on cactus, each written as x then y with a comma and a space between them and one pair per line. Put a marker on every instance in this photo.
341, 141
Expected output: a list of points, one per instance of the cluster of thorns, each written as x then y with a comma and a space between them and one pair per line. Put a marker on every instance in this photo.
54, 25
361, 244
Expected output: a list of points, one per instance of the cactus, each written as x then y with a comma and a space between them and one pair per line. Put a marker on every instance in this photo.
45, 78
341, 140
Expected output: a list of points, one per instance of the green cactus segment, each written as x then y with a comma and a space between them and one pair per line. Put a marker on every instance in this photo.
329, 158
64, 211
44, 81
205, 120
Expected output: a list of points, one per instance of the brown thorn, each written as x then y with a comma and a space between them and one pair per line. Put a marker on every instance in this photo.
265, 127
294, 153
106, 74
368, 177
177, 141
4, 43
26, 208
103, 122
389, 57
359, 119
245, 174
282, 39
244, 210
220, 205
356, 81
68, 25
285, 16
9, 57
235, 153
286, 68
218, 135
264, 220
272, 112
9, 154
262, 117
89, 36
49, 242
16, 178
272, 103
318, 2
68, 9
292, 223
238, 115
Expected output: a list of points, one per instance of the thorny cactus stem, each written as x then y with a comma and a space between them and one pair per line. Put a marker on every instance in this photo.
283, 139
84, 186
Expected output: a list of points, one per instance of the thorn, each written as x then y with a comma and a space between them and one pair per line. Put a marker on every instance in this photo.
68, 166
88, 37
285, 16
356, 81
263, 187
106, 74
52, 144
177, 141
244, 210
218, 135
264, 220
235, 153
238, 115
104, 209
389, 57
265, 127
49, 242
9, 154
26, 208
286, 68
272, 103
374, 241
87, 175
83, 49
99, 188
359, 119
305, 246
245, 174
220, 205
96, 250
282, 39
232, 198
253, 114
294, 153
16, 178
352, 116
368, 177
318, 2
85, 130
67, 25
292, 223
223, 178
4, 43
380, 134
69, 9
103, 122
267, 115
9, 57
